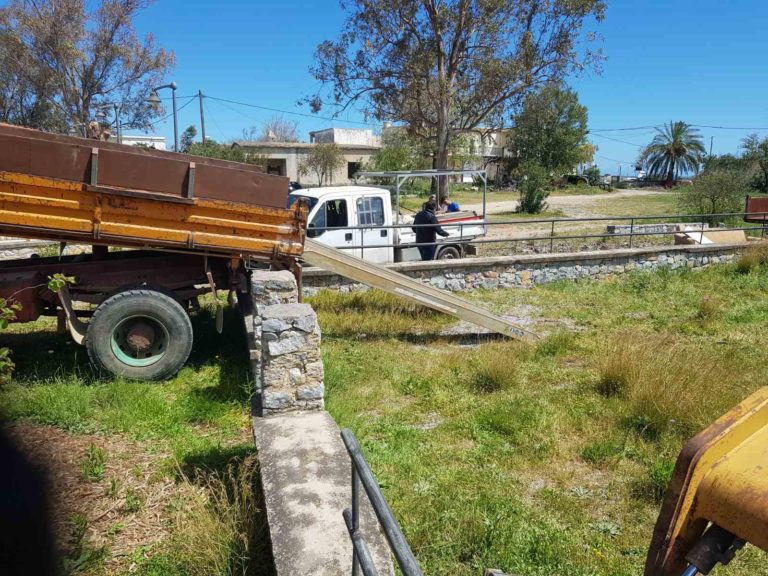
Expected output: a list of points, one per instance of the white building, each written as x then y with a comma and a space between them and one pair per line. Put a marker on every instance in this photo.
156, 142
345, 136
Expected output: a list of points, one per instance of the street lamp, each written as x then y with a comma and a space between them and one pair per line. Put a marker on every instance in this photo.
101, 116
154, 101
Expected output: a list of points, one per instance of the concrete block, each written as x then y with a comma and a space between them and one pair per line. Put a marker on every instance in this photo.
305, 472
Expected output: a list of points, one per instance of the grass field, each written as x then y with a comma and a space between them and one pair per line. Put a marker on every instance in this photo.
545, 458
549, 458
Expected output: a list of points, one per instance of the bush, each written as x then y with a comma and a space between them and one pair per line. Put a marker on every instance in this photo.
534, 181
715, 191
593, 176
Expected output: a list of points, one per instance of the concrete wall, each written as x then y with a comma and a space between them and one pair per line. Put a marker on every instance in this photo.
526, 270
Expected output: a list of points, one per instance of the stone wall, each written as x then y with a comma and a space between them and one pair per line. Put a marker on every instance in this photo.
526, 270
283, 344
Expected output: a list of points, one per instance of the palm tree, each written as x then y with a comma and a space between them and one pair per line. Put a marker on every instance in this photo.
676, 148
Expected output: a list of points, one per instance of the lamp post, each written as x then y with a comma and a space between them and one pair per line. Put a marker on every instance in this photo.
101, 115
155, 101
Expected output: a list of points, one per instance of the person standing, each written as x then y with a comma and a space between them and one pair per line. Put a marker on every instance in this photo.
427, 234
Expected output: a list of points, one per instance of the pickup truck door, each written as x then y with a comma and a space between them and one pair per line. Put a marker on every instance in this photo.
372, 210
332, 213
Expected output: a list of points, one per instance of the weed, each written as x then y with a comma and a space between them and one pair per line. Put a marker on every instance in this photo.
654, 485
556, 344
494, 368
94, 463
133, 501
602, 452
113, 491
222, 529
710, 307
81, 556
670, 384
115, 529
752, 258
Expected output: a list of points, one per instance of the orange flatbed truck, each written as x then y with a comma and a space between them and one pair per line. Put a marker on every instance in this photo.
185, 226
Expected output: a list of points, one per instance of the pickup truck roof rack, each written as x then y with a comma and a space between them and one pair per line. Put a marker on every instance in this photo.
401, 176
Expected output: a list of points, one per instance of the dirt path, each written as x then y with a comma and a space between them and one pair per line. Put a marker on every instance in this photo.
575, 206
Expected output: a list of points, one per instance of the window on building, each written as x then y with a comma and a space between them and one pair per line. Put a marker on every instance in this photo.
370, 211
352, 169
332, 214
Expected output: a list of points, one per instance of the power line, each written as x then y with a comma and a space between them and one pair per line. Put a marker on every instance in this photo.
623, 129
726, 127
613, 159
620, 141
164, 118
327, 118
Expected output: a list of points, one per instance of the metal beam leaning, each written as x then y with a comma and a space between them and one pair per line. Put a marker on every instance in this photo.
384, 279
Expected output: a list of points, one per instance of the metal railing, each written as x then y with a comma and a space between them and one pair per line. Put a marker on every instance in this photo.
361, 555
632, 234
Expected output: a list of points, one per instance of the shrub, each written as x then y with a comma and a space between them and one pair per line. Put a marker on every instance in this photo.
752, 258
715, 191
534, 181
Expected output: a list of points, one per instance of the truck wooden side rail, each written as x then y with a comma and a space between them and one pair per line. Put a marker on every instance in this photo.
191, 222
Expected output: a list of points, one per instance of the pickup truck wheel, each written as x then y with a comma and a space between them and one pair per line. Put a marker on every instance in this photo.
448, 253
141, 334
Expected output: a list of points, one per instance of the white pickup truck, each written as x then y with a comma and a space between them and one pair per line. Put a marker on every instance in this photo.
357, 219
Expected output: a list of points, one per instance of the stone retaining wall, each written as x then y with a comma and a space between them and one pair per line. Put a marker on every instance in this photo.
526, 270
283, 345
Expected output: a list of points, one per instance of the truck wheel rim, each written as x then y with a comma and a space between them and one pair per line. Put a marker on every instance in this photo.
139, 341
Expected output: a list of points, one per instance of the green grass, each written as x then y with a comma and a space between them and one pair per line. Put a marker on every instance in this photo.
196, 424
545, 458
641, 205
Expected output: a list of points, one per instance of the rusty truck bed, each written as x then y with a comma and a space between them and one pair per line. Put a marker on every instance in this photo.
71, 189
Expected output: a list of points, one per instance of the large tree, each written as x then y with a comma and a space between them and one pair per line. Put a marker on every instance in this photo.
74, 57
276, 129
443, 67
677, 148
551, 129
756, 156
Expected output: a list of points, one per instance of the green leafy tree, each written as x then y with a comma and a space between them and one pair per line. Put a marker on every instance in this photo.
188, 138
677, 148
212, 149
593, 175
398, 151
533, 183
67, 58
716, 192
551, 129
323, 160
446, 67
756, 155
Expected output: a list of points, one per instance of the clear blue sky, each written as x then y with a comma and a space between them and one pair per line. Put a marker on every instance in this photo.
701, 61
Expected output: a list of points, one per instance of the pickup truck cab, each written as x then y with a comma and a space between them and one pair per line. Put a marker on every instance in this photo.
360, 220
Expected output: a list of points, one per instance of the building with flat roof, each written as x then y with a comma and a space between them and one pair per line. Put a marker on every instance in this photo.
156, 142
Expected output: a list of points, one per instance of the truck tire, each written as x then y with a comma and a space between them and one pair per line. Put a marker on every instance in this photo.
140, 333
449, 253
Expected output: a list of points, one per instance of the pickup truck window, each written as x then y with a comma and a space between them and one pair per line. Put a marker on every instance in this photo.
370, 211
331, 214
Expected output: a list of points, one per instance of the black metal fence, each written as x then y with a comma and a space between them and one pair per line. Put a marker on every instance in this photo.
635, 231
361, 555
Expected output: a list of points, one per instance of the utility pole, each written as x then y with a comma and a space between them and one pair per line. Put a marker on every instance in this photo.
202, 114
711, 140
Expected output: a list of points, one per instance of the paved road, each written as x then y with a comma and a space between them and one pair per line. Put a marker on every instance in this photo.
574, 206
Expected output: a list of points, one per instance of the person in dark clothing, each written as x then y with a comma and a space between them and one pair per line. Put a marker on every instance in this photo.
427, 234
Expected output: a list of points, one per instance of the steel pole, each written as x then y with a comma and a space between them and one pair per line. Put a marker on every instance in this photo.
117, 125
202, 114
175, 121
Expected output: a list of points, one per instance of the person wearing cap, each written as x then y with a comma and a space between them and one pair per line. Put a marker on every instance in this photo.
427, 228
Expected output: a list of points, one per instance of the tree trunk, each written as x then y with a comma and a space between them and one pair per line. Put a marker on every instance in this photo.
440, 162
